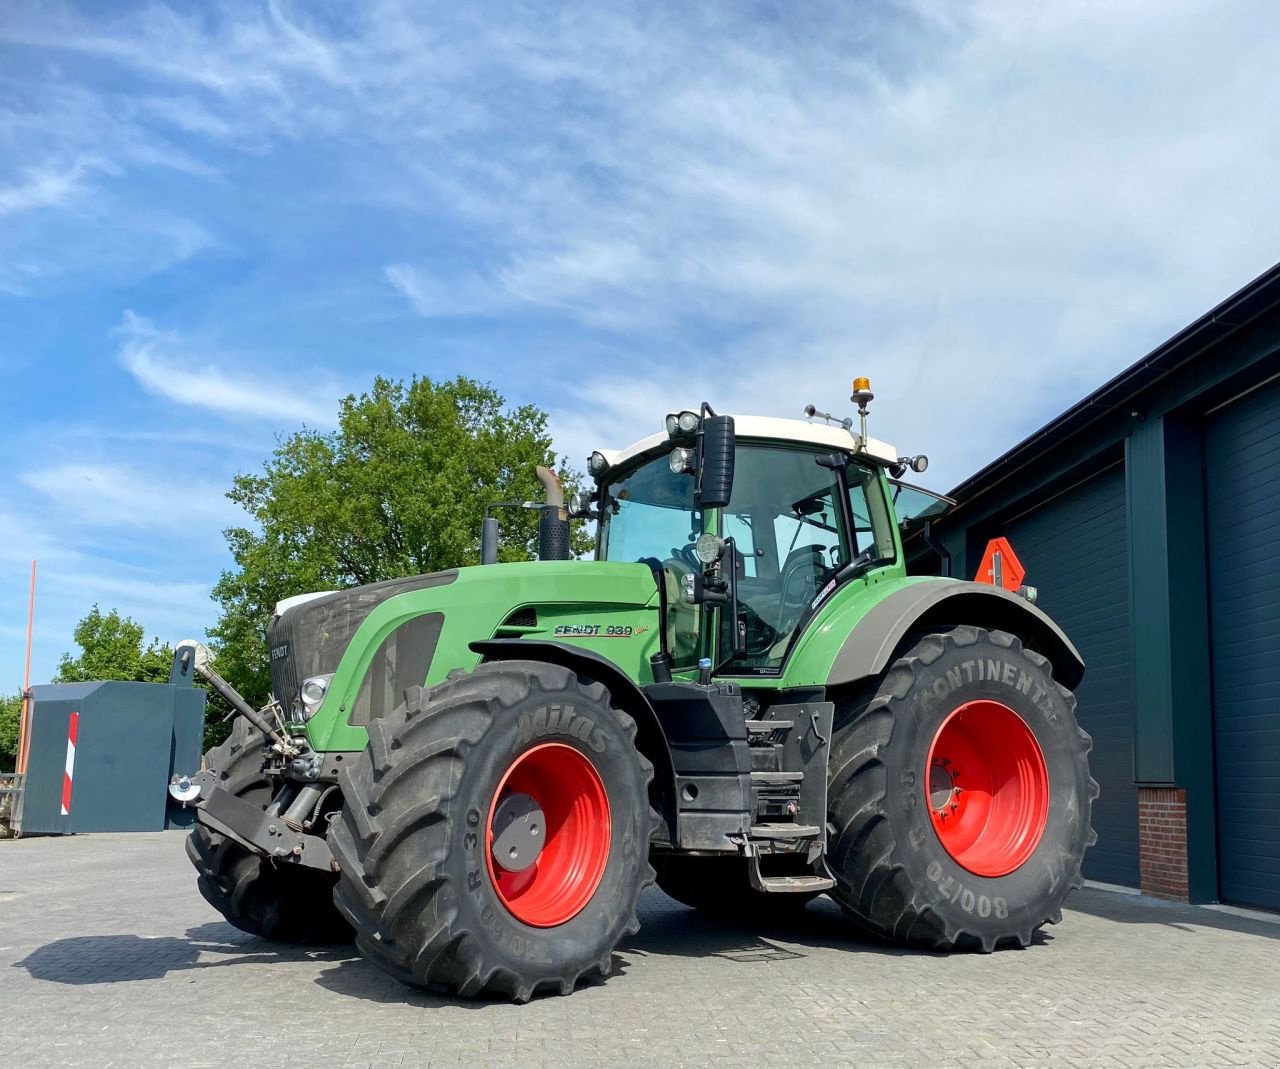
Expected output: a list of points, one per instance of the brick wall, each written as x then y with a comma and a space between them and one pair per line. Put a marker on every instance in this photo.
1162, 841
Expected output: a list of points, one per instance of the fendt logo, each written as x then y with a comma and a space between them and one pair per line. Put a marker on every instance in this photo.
280, 653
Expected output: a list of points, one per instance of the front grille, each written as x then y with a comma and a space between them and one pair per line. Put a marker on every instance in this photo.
310, 639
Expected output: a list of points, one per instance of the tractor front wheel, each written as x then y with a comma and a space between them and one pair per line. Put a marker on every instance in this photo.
285, 903
495, 833
959, 796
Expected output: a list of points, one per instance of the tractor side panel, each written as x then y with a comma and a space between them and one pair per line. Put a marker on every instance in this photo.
609, 609
869, 647
816, 650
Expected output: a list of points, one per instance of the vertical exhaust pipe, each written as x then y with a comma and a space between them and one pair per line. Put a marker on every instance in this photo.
553, 524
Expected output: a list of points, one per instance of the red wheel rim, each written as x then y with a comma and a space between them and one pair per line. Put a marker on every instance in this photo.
575, 809
987, 788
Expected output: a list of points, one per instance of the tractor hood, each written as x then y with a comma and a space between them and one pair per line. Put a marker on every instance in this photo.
376, 641
311, 632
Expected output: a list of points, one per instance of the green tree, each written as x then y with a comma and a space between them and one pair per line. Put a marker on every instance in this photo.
398, 489
10, 707
111, 647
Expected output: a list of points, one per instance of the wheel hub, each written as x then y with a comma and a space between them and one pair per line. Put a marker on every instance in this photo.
944, 792
987, 788
548, 835
519, 828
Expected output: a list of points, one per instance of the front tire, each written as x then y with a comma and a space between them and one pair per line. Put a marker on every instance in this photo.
495, 833
285, 903
959, 796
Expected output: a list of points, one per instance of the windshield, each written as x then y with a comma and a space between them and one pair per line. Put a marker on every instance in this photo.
914, 504
648, 516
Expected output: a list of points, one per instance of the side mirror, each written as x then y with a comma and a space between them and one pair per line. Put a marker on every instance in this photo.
715, 473
489, 540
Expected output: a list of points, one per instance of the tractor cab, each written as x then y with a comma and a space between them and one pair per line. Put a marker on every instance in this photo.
797, 509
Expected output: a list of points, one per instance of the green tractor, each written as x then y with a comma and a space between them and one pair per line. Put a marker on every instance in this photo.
744, 697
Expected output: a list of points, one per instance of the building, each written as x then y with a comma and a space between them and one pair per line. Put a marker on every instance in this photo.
1148, 518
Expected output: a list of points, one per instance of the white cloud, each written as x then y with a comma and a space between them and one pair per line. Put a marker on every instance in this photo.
44, 187
157, 360
108, 495
994, 201
432, 297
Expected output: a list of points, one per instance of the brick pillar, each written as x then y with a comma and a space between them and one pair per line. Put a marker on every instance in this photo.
1162, 841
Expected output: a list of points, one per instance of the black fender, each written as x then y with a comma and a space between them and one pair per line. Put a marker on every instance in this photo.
650, 738
872, 644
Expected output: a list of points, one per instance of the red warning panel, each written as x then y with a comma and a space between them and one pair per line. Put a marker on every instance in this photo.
1000, 566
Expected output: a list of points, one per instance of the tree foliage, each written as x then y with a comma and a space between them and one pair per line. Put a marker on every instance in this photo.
111, 647
10, 708
398, 489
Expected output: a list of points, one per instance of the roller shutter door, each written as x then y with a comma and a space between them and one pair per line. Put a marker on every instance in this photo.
1075, 550
1242, 495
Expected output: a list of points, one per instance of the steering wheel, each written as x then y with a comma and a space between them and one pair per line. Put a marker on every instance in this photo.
802, 577
687, 554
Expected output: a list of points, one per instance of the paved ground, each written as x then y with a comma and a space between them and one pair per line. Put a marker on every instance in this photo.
109, 957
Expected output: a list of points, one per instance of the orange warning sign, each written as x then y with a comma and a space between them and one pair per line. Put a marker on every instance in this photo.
1000, 566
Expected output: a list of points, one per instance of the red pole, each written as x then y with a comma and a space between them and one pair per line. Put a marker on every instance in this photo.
24, 728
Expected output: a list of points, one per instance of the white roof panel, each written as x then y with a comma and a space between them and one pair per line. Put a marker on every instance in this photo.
802, 432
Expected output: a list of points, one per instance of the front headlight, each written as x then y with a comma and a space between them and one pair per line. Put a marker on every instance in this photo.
312, 693
681, 460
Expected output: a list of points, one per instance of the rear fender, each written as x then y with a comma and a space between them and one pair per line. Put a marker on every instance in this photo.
871, 645
650, 739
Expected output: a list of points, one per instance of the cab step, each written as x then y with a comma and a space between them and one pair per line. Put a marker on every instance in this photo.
794, 885
774, 779
784, 831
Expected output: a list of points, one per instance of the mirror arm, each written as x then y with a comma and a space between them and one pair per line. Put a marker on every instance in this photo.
944, 554
739, 647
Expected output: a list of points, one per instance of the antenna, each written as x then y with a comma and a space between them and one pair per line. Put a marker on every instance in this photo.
812, 412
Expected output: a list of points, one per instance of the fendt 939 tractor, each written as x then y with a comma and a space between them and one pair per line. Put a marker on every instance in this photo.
743, 696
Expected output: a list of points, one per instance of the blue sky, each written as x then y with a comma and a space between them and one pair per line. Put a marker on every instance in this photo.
215, 221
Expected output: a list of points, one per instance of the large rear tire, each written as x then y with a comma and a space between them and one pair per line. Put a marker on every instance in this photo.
285, 903
495, 833
959, 796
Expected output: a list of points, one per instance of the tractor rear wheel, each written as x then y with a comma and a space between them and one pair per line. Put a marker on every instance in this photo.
495, 833
959, 796
285, 903
718, 886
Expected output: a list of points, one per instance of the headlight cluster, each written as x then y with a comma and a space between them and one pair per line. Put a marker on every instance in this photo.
310, 695
685, 422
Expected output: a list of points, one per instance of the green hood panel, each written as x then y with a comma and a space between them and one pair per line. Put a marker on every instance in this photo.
611, 609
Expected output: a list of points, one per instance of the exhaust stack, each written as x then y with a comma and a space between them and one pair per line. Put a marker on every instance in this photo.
553, 524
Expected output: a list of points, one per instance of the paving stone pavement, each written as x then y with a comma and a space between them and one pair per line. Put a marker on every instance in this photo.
109, 957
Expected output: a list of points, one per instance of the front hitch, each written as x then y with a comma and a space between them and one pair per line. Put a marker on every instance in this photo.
266, 832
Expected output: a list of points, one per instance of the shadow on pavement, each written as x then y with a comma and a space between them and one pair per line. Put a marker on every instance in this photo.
1141, 909
671, 929
667, 929
109, 959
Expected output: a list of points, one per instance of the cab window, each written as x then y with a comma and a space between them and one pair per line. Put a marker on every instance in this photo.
790, 537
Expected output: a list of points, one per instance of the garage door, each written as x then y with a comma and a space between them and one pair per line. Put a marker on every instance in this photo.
1242, 464
1074, 549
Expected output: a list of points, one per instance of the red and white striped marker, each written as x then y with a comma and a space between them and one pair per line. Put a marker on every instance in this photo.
73, 729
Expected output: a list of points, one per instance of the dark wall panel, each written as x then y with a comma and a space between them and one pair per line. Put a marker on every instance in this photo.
1242, 499
1075, 550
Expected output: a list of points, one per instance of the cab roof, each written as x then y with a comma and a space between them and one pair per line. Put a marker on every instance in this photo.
770, 428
